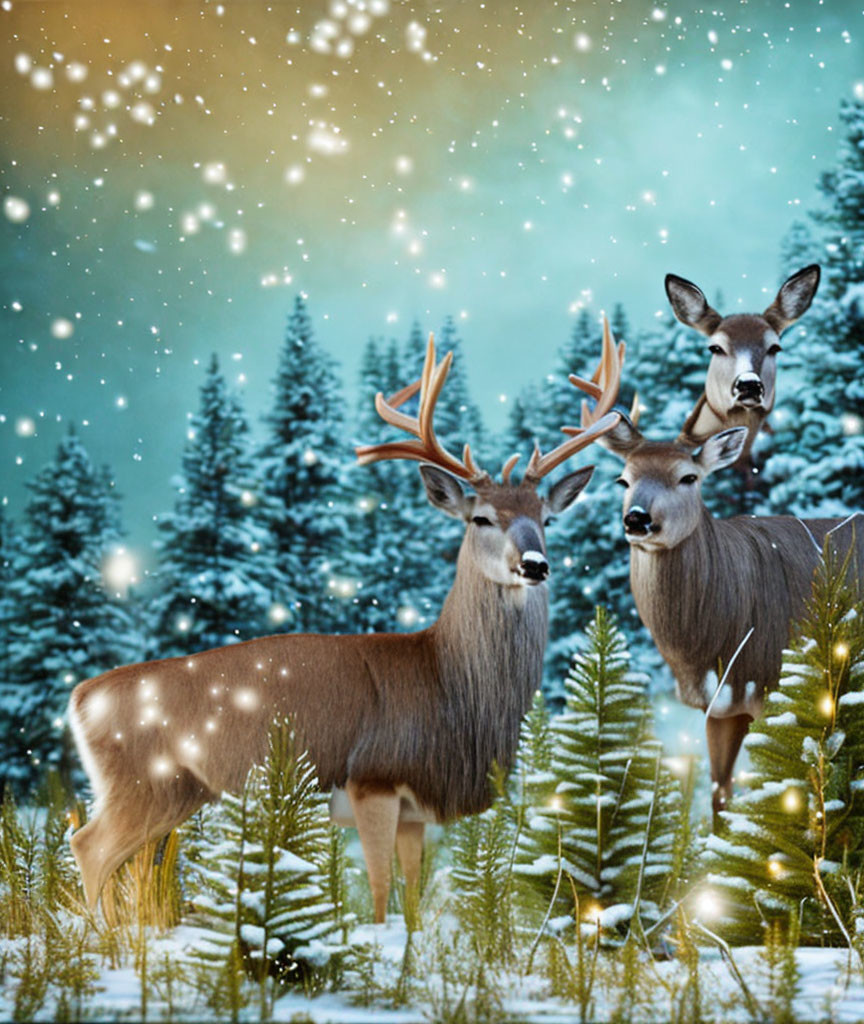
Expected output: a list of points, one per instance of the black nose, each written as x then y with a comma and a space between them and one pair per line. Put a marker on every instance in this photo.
534, 567
748, 385
637, 520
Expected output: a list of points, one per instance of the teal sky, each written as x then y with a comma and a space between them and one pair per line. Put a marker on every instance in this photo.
173, 173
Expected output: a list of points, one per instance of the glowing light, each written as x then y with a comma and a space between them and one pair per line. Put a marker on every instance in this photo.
679, 766
53, 198
658, 14
110, 99
826, 705
858, 90
593, 913
555, 803
189, 224
144, 200
17, 210
776, 868
248, 499
98, 705
210, 725
309, 457
415, 36
183, 625
143, 112
237, 240
25, 427
707, 904
246, 700
841, 650
23, 63
404, 165
278, 614
120, 569
121, 402
792, 802
407, 615
295, 174
851, 424
161, 766
582, 42
326, 140
215, 173
62, 328
41, 78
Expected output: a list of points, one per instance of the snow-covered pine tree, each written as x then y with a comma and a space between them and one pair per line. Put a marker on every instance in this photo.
301, 465
8, 690
603, 824
820, 468
67, 625
794, 842
257, 866
216, 574
482, 872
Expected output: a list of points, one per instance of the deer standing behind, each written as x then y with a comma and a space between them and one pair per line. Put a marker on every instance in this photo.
403, 727
740, 384
718, 596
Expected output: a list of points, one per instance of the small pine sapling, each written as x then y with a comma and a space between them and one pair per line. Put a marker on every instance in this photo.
601, 818
262, 896
795, 838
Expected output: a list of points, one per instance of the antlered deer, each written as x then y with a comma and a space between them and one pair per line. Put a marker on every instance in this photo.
739, 387
408, 725
718, 596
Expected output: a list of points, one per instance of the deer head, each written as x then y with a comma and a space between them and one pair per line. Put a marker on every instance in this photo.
743, 347
504, 522
662, 481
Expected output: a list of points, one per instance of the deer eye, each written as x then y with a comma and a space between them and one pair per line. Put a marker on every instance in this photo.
774, 350
688, 478
549, 520
716, 350
481, 521
622, 482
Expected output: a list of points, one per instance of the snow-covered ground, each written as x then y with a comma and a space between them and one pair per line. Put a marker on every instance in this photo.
829, 988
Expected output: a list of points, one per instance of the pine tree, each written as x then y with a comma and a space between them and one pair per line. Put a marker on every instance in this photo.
817, 458
795, 841
8, 548
216, 573
260, 872
603, 825
67, 626
301, 465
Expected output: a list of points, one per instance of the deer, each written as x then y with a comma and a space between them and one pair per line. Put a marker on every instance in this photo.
740, 383
718, 596
403, 728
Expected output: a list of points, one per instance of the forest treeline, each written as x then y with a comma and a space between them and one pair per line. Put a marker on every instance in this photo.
287, 533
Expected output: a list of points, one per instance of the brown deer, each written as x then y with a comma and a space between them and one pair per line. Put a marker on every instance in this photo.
739, 387
405, 727
718, 596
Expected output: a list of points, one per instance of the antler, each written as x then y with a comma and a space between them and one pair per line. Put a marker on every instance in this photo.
603, 387
427, 447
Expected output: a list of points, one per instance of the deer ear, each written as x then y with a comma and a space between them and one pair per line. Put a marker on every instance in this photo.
562, 495
621, 439
722, 449
794, 298
690, 305
444, 491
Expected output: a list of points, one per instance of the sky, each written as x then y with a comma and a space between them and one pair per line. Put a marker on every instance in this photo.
174, 173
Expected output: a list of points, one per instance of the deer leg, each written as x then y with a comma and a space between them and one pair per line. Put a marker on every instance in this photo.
377, 814
101, 846
725, 736
409, 849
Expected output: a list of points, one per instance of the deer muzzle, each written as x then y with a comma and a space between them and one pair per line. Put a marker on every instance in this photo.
748, 390
533, 565
638, 523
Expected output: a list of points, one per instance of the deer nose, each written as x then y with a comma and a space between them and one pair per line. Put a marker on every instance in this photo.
748, 387
533, 566
638, 521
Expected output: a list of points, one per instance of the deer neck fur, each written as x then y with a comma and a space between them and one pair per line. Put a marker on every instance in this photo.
700, 598
489, 645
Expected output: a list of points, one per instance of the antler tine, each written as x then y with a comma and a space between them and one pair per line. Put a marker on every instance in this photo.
507, 468
603, 388
426, 447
